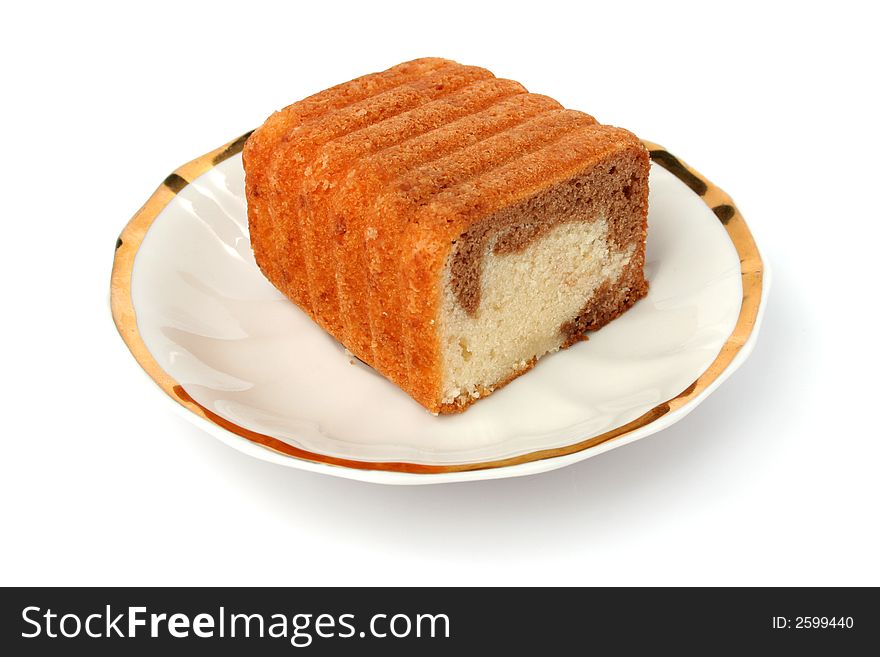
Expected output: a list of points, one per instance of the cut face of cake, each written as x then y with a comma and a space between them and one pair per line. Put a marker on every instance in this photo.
448, 227
533, 279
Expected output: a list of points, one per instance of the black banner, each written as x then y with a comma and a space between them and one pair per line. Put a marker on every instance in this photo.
280, 621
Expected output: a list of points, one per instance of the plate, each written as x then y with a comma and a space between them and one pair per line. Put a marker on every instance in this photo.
248, 366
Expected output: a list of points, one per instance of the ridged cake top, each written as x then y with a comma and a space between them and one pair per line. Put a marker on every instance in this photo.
428, 133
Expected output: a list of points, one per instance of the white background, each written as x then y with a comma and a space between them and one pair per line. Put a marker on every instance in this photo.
773, 480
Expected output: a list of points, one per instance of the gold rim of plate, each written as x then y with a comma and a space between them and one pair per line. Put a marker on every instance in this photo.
129, 242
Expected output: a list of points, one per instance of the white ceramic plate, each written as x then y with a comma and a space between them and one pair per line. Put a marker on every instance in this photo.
255, 371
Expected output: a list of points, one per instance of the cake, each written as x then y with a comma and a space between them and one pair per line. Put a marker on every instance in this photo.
448, 227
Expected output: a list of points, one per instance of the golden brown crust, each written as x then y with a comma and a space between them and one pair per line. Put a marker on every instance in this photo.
292, 155
371, 245
267, 237
327, 208
357, 194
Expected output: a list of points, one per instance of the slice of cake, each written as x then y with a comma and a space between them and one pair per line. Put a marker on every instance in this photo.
447, 226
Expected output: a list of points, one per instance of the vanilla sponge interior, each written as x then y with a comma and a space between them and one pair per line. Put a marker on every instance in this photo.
526, 297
